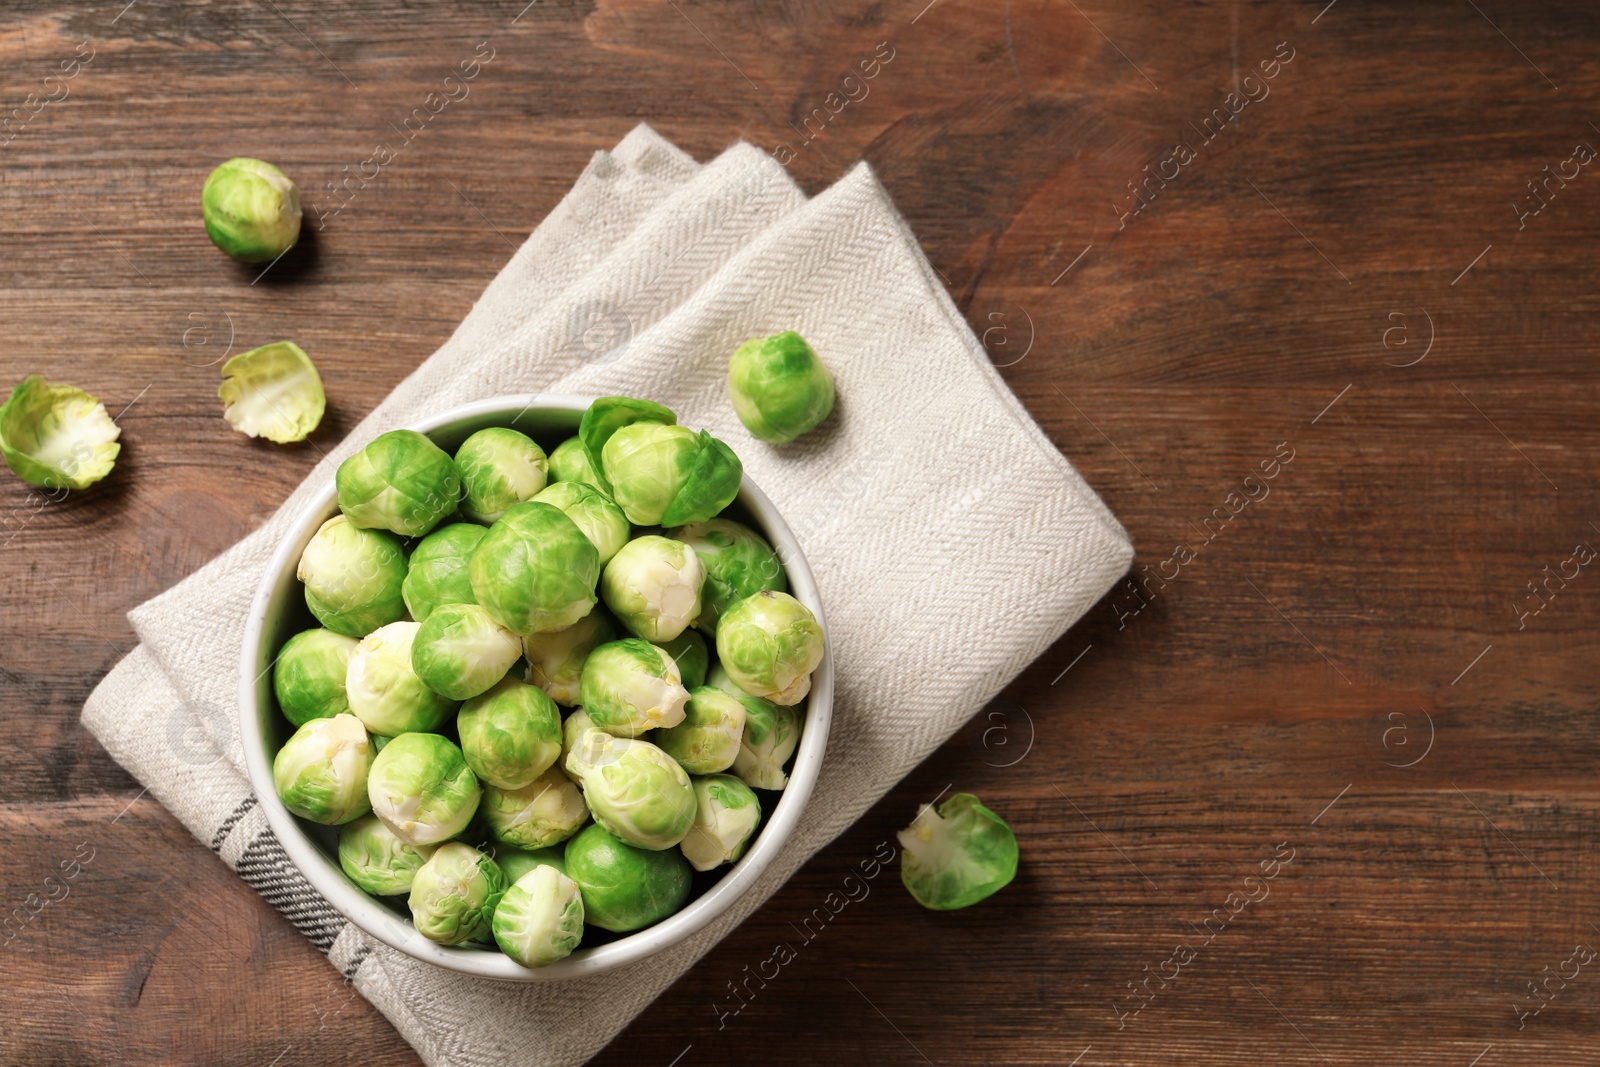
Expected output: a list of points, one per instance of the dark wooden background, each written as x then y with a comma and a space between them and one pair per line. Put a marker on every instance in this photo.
1284, 288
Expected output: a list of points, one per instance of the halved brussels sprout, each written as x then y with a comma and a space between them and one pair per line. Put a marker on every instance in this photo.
454, 895
670, 475
274, 392
499, 467
251, 210
437, 573
631, 686
957, 856
322, 771
601, 521
555, 659
779, 387
652, 586
516, 862
625, 888
738, 562
422, 788
401, 482
635, 790
511, 734
353, 577
461, 651
535, 570
570, 463
57, 436
308, 675
540, 919
604, 417
771, 732
385, 691
726, 818
544, 812
708, 738
689, 652
378, 861
769, 644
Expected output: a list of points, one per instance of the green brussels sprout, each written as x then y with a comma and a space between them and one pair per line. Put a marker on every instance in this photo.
771, 733
535, 570
770, 643
738, 562
689, 652
631, 686
251, 210
726, 818
555, 659
274, 392
670, 475
625, 888
544, 812
707, 740
353, 577
511, 734
499, 467
779, 387
454, 895
957, 856
570, 463
635, 790
461, 651
401, 482
378, 861
57, 436
322, 771
308, 675
540, 919
653, 586
601, 521
573, 752
438, 572
422, 788
383, 688
516, 862
604, 417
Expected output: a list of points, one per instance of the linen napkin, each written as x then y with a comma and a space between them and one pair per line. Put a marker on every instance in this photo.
951, 542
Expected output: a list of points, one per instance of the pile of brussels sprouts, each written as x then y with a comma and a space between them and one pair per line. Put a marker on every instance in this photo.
517, 720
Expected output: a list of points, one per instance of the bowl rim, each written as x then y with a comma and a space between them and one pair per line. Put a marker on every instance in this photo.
365, 912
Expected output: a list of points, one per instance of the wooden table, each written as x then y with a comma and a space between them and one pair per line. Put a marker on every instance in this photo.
1326, 675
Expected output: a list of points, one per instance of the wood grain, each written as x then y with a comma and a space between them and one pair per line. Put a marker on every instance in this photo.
1277, 293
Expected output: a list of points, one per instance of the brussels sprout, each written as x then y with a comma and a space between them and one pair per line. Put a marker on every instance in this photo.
274, 392
461, 651
601, 521
689, 652
604, 417
308, 675
378, 861
631, 686
422, 788
570, 463
779, 387
499, 467
652, 586
540, 919
438, 572
57, 436
511, 734
770, 643
625, 888
516, 862
635, 790
400, 482
322, 771
574, 753
535, 570
771, 733
353, 577
726, 818
957, 856
555, 659
251, 210
545, 811
669, 475
454, 895
738, 562
383, 688
707, 741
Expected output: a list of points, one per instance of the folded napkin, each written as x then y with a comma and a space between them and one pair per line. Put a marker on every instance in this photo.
952, 543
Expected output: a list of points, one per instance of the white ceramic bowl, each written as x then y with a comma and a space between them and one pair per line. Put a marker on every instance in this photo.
279, 612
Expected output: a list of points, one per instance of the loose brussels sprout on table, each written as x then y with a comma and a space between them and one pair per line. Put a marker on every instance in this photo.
383, 687
322, 772
958, 855
422, 788
274, 392
378, 861
540, 919
726, 816
535, 570
631, 686
499, 467
653, 586
57, 436
438, 574
779, 387
556, 659
511, 734
251, 210
625, 888
353, 577
308, 676
401, 482
769, 644
454, 895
